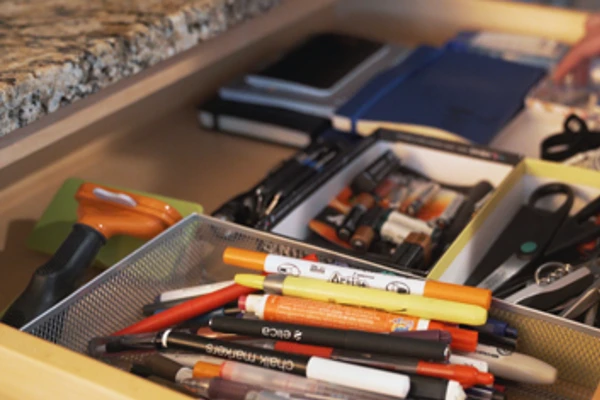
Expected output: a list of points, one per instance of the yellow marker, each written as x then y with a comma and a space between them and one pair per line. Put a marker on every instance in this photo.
406, 304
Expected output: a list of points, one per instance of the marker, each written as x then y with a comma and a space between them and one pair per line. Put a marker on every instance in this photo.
193, 291
518, 367
353, 376
466, 376
187, 310
274, 264
328, 315
278, 381
405, 304
342, 339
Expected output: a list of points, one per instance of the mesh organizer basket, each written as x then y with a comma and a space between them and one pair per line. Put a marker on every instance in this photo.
190, 252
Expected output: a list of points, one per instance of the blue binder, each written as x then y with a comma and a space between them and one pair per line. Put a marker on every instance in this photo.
471, 95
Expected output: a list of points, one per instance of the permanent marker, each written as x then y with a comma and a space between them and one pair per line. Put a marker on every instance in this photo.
353, 376
518, 367
465, 375
417, 306
275, 264
280, 381
328, 315
343, 339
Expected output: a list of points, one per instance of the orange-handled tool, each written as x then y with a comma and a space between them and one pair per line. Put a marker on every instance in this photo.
102, 213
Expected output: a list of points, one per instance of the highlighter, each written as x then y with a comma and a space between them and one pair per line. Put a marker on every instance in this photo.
274, 264
396, 303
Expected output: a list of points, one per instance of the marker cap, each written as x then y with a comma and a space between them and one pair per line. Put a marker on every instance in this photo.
249, 259
459, 293
206, 370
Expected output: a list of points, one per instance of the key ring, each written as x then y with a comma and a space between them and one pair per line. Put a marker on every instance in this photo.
560, 270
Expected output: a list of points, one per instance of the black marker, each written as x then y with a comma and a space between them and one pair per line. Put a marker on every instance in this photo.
341, 339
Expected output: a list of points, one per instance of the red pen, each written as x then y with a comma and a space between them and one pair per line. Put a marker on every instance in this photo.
467, 376
187, 310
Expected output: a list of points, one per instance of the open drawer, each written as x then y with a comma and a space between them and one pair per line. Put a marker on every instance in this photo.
142, 133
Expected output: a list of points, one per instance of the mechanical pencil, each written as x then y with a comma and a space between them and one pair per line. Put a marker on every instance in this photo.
275, 264
328, 315
406, 304
465, 375
504, 363
376, 381
339, 338
194, 291
280, 381
217, 388
187, 310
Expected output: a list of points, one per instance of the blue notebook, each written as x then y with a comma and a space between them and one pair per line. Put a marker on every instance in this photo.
470, 95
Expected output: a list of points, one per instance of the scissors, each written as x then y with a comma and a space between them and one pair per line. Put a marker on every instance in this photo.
575, 138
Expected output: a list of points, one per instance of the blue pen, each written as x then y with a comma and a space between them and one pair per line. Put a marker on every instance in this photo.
496, 327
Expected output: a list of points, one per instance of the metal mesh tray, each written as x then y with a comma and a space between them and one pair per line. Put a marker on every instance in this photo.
190, 252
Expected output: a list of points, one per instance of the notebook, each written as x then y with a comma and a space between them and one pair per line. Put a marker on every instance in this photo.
304, 102
470, 95
319, 66
266, 123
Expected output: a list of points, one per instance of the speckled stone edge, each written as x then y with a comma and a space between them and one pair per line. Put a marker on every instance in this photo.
111, 59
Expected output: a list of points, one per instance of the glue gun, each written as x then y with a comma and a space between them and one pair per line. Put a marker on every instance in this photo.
102, 213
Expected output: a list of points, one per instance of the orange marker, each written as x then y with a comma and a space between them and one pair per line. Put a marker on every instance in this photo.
329, 315
274, 264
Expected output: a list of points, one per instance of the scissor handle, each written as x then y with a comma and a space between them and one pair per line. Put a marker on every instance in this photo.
591, 209
553, 189
566, 144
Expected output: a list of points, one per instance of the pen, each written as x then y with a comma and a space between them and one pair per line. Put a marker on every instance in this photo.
496, 327
433, 335
354, 376
274, 264
518, 367
424, 196
328, 315
278, 381
187, 310
194, 291
465, 375
417, 306
343, 339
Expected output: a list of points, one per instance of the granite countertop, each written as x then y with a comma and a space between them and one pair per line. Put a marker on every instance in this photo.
55, 52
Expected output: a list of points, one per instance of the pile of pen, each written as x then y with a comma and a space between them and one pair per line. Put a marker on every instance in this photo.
304, 329
398, 216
